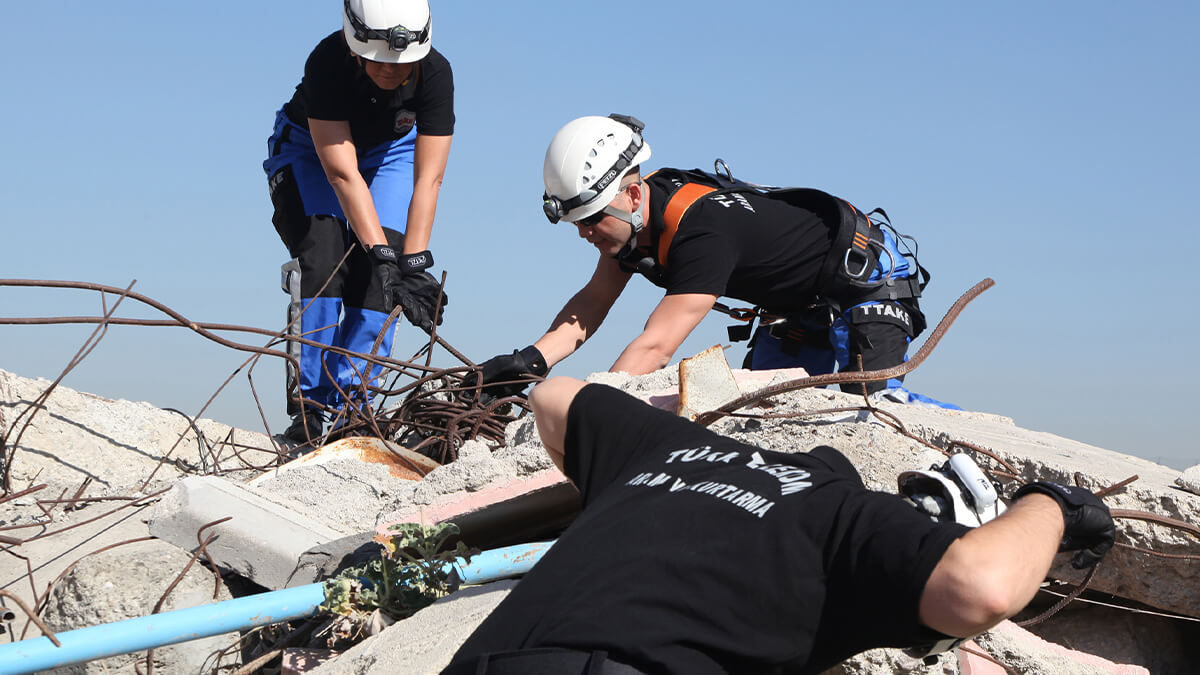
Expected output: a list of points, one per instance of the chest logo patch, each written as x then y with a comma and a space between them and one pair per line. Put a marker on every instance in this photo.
405, 120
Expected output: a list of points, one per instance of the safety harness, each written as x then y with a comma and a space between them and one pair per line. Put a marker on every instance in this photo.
845, 277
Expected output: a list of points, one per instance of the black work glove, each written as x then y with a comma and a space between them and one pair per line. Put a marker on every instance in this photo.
514, 366
1088, 526
406, 283
387, 270
422, 298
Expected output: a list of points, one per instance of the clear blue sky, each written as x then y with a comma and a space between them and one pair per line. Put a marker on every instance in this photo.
1051, 146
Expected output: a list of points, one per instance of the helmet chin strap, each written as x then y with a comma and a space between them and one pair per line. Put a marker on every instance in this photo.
634, 218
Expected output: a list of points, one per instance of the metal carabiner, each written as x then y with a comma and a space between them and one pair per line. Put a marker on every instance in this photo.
855, 278
722, 169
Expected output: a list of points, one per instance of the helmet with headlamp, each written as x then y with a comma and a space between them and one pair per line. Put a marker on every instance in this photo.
585, 163
388, 31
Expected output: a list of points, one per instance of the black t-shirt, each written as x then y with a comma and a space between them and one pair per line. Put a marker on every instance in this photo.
744, 246
335, 87
698, 554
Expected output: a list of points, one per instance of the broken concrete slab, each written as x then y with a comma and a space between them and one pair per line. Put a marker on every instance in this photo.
69, 537
705, 383
1023, 652
500, 513
477, 467
1153, 641
397, 460
423, 643
116, 444
879, 453
326, 560
344, 485
263, 541
1190, 480
126, 583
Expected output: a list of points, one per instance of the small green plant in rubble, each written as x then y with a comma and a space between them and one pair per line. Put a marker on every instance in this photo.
411, 573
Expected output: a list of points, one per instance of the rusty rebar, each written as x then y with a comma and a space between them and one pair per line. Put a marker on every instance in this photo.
203, 542
88, 345
1058, 606
32, 617
856, 376
1155, 518
1111, 488
22, 493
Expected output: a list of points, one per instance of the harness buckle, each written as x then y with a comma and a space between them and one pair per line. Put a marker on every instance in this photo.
862, 276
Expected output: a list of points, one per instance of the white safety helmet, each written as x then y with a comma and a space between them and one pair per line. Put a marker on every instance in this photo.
585, 164
388, 31
958, 491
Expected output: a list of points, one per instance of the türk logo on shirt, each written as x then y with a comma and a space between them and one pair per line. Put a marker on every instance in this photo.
405, 119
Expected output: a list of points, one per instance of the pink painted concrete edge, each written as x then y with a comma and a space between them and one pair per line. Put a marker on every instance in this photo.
455, 505
972, 664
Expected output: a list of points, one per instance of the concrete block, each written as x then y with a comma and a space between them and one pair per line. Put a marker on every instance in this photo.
262, 541
501, 513
398, 461
346, 484
971, 663
705, 383
326, 560
1190, 480
126, 583
423, 643
1024, 652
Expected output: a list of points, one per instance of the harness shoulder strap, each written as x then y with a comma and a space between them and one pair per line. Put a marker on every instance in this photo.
677, 207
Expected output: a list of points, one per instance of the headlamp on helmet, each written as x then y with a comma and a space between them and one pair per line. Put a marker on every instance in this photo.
398, 38
556, 209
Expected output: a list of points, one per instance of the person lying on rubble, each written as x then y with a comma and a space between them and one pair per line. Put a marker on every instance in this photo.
830, 285
356, 162
695, 553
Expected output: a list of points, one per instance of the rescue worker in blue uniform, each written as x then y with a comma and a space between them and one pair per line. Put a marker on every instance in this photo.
356, 162
832, 286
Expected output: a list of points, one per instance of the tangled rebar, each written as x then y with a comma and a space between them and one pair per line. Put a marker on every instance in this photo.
412, 404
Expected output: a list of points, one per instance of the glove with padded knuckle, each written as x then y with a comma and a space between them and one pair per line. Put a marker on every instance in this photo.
422, 298
514, 366
387, 269
406, 283
1087, 525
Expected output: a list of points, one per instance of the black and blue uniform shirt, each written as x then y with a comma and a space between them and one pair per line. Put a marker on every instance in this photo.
698, 554
336, 87
742, 245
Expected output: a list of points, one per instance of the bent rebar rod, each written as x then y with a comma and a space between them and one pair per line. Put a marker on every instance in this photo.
854, 376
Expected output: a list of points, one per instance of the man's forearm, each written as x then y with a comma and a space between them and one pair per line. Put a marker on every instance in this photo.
994, 570
575, 323
672, 320
640, 357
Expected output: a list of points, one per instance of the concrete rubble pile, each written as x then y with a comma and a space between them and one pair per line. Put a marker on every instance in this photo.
294, 525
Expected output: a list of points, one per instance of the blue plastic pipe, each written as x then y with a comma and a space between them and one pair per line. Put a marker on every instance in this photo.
501, 563
193, 623
159, 630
